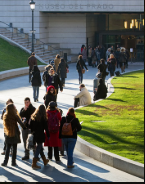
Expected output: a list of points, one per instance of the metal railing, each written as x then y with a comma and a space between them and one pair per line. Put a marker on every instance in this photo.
15, 31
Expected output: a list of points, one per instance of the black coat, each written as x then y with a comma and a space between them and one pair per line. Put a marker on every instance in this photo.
62, 72
48, 98
101, 92
36, 78
111, 64
55, 81
44, 75
75, 126
27, 114
37, 128
80, 65
102, 68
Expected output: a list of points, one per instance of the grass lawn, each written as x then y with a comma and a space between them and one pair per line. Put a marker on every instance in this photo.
12, 57
116, 124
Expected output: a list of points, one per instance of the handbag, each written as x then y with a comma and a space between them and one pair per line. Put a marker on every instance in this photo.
67, 71
99, 75
83, 70
30, 142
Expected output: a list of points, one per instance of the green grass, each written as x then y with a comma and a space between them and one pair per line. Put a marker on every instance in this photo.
12, 57
122, 114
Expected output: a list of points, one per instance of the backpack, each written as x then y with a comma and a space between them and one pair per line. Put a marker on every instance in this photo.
67, 128
53, 123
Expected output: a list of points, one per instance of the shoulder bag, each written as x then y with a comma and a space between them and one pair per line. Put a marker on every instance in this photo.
83, 70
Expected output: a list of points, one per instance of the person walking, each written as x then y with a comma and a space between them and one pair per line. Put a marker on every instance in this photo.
122, 59
102, 69
108, 52
62, 71
69, 140
25, 114
4, 110
80, 66
31, 62
101, 92
52, 79
117, 54
84, 54
36, 82
57, 60
89, 56
12, 133
37, 126
47, 68
111, 62
49, 96
127, 58
94, 58
54, 118
83, 97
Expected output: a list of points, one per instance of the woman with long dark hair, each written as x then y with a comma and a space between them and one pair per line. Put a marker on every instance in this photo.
12, 133
80, 65
36, 82
37, 125
62, 71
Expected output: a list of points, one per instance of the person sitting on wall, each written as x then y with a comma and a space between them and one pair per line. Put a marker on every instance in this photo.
101, 92
83, 98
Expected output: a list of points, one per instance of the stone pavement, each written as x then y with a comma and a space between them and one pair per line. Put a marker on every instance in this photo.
86, 169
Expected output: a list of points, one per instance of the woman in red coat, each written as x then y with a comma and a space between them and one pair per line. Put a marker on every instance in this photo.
54, 118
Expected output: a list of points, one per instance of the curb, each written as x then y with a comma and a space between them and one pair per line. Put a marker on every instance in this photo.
111, 159
17, 72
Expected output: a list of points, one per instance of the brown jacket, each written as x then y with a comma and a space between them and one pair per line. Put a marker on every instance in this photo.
56, 63
32, 61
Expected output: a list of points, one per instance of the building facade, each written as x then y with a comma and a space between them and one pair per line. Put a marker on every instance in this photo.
73, 23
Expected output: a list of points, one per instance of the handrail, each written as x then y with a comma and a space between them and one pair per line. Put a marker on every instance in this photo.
29, 36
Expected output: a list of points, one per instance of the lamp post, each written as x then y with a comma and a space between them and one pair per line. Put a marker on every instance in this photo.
32, 6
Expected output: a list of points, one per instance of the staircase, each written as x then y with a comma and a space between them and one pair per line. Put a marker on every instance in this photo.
46, 51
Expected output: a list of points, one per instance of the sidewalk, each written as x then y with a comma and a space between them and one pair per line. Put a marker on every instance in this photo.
86, 169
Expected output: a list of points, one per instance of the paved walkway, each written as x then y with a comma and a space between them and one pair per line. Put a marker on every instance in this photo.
86, 169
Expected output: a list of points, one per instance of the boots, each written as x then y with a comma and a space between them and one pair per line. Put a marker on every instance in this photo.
45, 161
34, 164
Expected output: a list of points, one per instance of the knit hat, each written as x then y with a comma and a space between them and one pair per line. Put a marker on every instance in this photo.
52, 105
50, 87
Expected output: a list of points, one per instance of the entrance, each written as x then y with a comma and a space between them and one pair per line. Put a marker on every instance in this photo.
130, 40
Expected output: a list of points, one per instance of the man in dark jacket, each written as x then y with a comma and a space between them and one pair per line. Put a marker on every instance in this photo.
31, 62
101, 91
25, 114
47, 68
53, 79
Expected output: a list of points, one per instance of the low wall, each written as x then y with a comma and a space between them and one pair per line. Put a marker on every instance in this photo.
17, 72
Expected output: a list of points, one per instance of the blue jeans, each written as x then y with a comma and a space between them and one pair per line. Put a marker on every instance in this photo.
39, 150
35, 92
69, 145
80, 77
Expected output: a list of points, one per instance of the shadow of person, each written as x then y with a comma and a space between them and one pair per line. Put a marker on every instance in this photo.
87, 170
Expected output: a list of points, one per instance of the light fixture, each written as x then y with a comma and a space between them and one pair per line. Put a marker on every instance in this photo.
130, 25
143, 22
132, 21
32, 5
136, 24
125, 24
